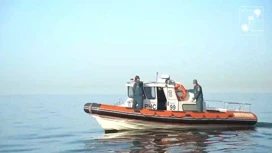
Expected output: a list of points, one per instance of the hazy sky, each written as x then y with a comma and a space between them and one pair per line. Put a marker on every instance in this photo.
90, 47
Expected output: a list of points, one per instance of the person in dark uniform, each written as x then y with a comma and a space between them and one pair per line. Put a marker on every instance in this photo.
198, 96
138, 94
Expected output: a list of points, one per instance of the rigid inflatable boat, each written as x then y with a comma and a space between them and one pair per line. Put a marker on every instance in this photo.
168, 105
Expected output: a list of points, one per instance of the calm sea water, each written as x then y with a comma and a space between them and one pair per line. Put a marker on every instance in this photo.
46, 123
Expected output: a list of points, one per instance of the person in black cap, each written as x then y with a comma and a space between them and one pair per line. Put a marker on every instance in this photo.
138, 94
198, 96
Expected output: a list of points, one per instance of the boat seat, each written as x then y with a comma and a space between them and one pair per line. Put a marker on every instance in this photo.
191, 106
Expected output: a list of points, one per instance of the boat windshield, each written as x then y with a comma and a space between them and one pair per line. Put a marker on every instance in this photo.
130, 92
150, 92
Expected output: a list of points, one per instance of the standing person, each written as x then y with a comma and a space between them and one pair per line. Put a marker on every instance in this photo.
138, 93
198, 96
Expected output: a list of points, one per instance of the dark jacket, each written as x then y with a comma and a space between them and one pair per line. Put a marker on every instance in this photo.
198, 92
138, 89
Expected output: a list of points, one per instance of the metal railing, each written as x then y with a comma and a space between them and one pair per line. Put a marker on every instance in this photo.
125, 103
229, 105
119, 102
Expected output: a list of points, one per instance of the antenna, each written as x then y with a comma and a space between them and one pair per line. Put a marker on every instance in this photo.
157, 77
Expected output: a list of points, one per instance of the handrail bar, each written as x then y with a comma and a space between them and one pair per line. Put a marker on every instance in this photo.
230, 102
241, 106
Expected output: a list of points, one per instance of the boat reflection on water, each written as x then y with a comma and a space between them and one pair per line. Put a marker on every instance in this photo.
176, 141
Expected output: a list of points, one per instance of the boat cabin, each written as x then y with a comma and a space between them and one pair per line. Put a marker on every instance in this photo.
164, 94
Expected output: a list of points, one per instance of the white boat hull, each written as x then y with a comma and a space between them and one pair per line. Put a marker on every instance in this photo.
122, 124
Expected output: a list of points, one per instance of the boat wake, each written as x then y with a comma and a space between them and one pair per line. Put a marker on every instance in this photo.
189, 140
